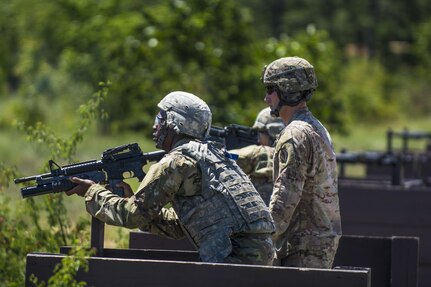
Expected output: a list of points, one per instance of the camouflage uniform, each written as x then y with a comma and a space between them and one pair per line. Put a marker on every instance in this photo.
304, 203
213, 203
256, 162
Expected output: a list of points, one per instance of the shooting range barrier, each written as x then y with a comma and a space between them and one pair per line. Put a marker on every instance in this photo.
372, 209
118, 269
394, 197
177, 268
393, 260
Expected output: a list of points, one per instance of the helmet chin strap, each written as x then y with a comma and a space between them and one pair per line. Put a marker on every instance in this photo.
282, 102
276, 112
162, 136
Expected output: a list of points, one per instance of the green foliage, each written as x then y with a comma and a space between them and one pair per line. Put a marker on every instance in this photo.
366, 96
422, 46
42, 224
316, 46
23, 231
372, 28
28, 110
66, 148
213, 48
6, 175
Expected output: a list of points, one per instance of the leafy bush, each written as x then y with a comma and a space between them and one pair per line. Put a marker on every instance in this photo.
42, 224
365, 92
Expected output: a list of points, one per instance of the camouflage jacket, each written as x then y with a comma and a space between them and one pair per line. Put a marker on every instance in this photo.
304, 203
207, 215
256, 161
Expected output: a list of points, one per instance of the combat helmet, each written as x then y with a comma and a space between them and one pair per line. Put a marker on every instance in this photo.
268, 124
293, 77
186, 114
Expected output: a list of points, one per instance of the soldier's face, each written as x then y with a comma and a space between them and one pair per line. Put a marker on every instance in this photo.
159, 123
271, 97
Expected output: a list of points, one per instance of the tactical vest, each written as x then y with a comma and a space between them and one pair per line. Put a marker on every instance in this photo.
228, 203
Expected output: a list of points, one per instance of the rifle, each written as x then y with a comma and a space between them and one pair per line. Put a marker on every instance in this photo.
234, 136
115, 165
405, 135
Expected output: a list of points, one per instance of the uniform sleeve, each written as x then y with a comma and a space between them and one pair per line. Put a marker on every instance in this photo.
246, 158
289, 184
173, 175
144, 210
113, 209
165, 224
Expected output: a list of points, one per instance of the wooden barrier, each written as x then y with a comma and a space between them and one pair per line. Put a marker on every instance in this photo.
372, 209
393, 260
121, 271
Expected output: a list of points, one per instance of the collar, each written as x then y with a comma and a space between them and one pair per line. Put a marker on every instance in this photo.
300, 114
181, 142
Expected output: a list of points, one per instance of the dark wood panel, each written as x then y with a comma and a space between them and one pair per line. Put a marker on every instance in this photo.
370, 209
109, 272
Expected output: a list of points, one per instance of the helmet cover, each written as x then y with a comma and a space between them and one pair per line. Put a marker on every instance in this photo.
269, 124
187, 114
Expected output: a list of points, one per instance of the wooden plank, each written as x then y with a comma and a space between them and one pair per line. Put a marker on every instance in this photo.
150, 254
373, 210
384, 204
97, 239
404, 271
371, 252
109, 272
393, 260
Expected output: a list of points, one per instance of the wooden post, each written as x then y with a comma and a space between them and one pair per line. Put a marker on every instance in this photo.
97, 235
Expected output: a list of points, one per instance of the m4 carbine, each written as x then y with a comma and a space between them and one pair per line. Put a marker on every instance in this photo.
116, 164
234, 136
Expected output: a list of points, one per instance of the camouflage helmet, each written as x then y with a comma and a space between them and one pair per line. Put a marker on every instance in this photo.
291, 75
186, 114
269, 124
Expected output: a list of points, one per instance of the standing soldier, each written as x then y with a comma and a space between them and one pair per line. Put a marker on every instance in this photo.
256, 160
304, 202
213, 201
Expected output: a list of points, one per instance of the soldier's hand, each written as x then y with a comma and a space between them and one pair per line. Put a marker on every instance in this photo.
81, 188
128, 192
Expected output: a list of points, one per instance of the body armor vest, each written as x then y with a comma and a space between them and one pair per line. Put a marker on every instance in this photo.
228, 203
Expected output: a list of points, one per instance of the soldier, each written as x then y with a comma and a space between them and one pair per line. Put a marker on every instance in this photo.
304, 202
256, 160
213, 201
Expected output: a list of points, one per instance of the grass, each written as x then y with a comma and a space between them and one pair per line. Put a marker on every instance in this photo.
372, 136
29, 157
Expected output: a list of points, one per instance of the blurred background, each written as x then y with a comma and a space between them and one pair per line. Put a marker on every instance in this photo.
78, 77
